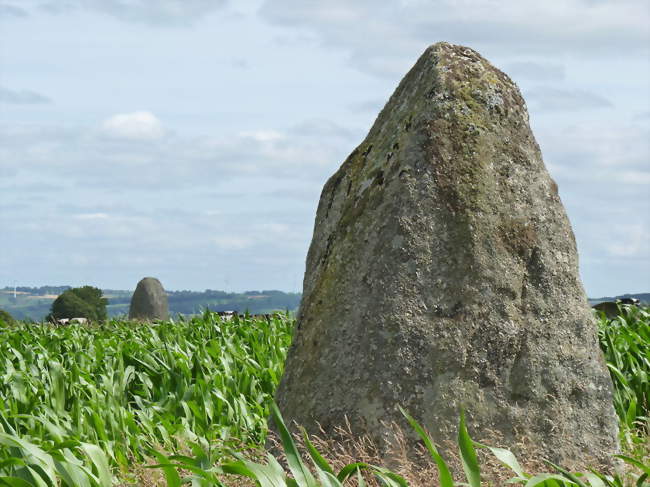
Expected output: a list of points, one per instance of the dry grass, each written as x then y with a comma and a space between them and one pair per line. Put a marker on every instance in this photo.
413, 464
142, 476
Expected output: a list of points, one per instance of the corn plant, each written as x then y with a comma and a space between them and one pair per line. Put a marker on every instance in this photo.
67, 463
272, 474
79, 402
625, 341
130, 388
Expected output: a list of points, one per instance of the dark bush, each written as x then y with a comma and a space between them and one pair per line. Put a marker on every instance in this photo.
79, 302
6, 318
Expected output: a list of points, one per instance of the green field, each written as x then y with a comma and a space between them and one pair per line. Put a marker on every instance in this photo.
92, 405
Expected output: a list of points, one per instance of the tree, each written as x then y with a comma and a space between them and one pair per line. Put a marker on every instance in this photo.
79, 302
6, 318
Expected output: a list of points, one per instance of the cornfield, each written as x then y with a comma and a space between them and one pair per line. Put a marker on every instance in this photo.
82, 405
120, 391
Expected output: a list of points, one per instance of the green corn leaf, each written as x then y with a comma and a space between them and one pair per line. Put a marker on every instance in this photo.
74, 475
37, 477
360, 481
169, 471
12, 462
300, 472
238, 468
632, 461
445, 477
565, 473
350, 469
630, 415
328, 480
507, 458
99, 460
610, 481
468, 454
40, 463
15, 482
594, 480
317, 458
270, 475
65, 444
390, 479
545, 480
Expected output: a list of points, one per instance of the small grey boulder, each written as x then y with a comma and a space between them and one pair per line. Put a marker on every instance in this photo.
149, 301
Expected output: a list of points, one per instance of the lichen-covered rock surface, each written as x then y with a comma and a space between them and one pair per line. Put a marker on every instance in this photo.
149, 301
443, 274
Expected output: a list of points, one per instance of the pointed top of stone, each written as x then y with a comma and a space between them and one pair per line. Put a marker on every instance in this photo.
149, 301
443, 275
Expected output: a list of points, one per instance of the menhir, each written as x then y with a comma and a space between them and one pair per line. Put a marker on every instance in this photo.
443, 275
149, 301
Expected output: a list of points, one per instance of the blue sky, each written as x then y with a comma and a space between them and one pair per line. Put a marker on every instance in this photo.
190, 139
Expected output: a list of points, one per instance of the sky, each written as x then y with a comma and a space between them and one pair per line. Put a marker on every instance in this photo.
190, 139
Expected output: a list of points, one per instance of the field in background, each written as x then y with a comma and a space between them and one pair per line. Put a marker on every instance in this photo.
34, 303
31, 303
82, 404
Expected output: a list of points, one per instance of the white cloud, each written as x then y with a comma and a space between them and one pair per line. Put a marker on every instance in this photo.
550, 99
635, 177
158, 12
232, 242
259, 235
132, 151
384, 38
252, 180
322, 128
140, 125
632, 241
536, 71
92, 216
372, 106
262, 135
583, 150
275, 229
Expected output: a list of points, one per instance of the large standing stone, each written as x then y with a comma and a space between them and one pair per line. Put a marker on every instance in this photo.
443, 274
149, 301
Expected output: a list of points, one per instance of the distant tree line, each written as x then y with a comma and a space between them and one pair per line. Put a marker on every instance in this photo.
184, 302
190, 302
39, 291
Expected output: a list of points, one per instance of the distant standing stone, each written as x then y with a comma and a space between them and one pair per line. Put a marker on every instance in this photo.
149, 301
443, 274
